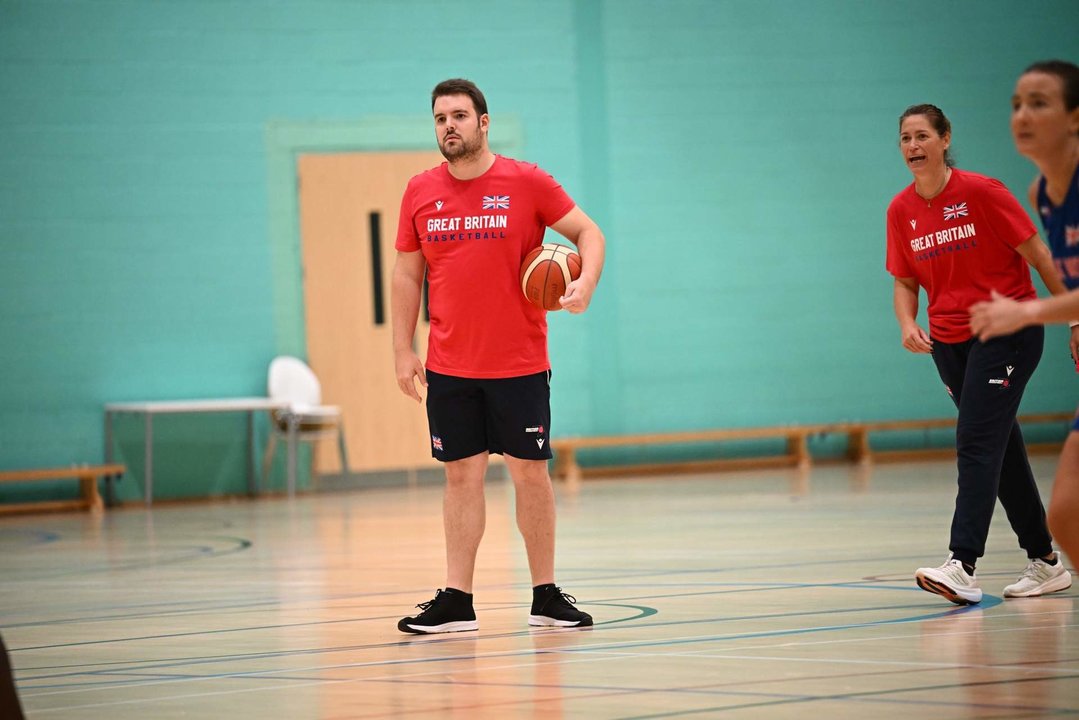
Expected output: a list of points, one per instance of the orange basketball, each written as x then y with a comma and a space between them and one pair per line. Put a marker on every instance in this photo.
545, 273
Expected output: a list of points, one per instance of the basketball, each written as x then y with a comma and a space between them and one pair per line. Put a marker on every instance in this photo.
545, 273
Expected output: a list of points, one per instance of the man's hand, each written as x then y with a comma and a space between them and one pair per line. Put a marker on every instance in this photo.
409, 369
578, 295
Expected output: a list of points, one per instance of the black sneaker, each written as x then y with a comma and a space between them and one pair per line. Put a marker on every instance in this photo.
449, 611
553, 608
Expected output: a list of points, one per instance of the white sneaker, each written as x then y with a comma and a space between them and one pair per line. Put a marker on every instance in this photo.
950, 580
1040, 578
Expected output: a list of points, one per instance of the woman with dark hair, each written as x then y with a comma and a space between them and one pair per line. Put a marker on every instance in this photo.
961, 235
1045, 127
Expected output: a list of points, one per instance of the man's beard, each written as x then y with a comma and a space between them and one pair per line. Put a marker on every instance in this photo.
464, 150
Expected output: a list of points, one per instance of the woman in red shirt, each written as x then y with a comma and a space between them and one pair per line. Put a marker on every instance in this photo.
960, 236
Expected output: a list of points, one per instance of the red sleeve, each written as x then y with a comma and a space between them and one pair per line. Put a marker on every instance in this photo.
895, 260
1006, 216
407, 239
552, 202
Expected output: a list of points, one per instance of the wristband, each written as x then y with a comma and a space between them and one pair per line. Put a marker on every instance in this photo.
1073, 323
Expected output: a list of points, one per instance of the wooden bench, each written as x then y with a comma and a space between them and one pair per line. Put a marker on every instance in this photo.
859, 450
87, 475
796, 439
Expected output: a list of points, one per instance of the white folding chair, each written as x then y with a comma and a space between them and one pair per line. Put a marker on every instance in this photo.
303, 419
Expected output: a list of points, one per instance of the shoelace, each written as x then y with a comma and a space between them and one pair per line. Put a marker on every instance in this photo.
1031, 571
432, 601
565, 596
559, 594
957, 572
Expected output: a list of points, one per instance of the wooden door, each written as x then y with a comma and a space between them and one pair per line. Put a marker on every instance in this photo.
349, 205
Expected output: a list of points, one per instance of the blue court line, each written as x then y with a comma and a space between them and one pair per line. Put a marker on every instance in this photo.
178, 607
175, 607
988, 601
37, 537
134, 679
781, 633
642, 612
630, 573
405, 641
194, 607
875, 696
751, 586
949, 612
199, 552
779, 698
263, 674
754, 635
171, 609
525, 653
245, 544
621, 572
168, 636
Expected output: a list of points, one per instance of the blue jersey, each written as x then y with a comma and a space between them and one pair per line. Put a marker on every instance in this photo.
1061, 223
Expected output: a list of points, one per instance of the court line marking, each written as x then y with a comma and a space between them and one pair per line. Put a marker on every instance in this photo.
396, 678
988, 601
603, 649
951, 612
712, 570
607, 691
875, 697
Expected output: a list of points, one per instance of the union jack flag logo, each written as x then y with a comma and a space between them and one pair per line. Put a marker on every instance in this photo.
436, 442
1071, 235
951, 212
496, 202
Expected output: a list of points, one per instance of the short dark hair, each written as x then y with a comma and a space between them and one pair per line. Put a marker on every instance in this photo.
460, 86
937, 119
1068, 74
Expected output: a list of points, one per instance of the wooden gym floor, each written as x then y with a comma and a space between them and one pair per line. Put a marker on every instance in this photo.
763, 594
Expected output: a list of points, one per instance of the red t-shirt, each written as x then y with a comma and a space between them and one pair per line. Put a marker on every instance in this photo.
474, 234
959, 246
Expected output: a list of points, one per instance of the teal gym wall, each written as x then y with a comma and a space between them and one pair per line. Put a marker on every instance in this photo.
739, 155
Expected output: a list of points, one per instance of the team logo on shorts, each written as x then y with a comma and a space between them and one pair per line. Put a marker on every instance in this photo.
536, 429
436, 442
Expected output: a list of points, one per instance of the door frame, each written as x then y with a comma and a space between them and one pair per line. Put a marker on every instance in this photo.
285, 141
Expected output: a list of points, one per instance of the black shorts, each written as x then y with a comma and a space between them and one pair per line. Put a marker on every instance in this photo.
508, 416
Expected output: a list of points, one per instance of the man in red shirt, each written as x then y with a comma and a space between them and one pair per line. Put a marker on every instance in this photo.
468, 225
